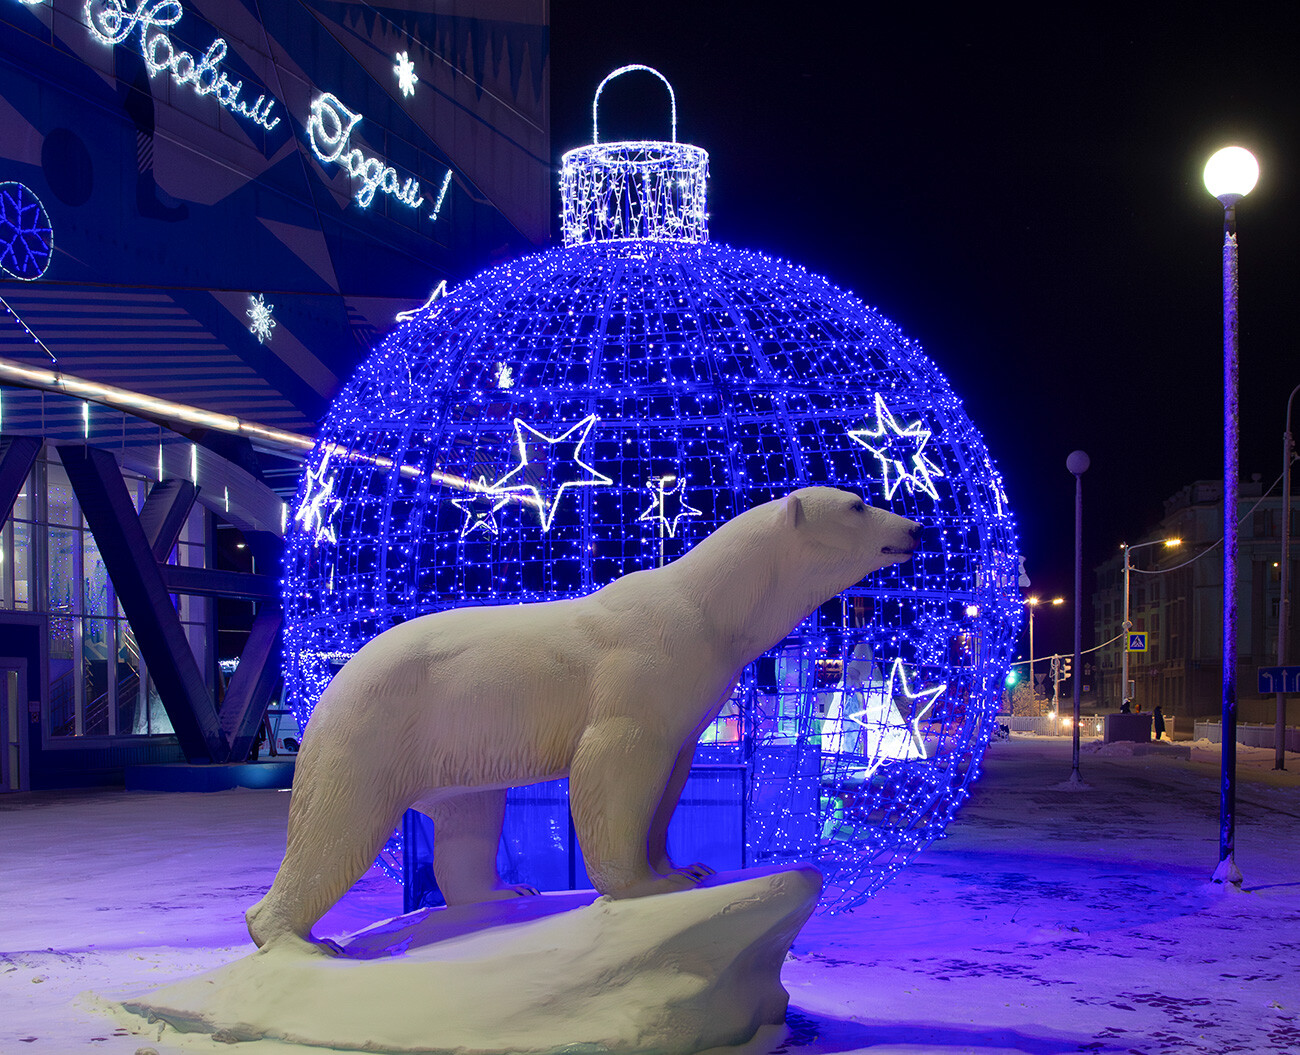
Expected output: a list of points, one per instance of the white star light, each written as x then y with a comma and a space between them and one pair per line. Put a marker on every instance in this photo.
480, 509
505, 376
548, 465
890, 746
319, 504
263, 323
439, 291
668, 513
913, 468
405, 70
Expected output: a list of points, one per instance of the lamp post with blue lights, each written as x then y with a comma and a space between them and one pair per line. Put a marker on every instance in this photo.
1230, 174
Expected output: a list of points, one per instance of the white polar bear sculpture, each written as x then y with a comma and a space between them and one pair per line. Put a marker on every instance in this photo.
445, 712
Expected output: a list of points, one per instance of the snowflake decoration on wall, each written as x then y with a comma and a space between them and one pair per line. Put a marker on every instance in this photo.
405, 70
26, 237
263, 322
900, 451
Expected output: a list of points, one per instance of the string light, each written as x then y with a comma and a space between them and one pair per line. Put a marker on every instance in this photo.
405, 70
644, 358
329, 132
112, 23
263, 321
26, 237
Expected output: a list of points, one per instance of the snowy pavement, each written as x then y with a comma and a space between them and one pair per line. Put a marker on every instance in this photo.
1049, 920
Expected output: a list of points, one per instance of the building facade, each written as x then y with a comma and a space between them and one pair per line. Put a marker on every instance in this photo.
208, 216
1176, 598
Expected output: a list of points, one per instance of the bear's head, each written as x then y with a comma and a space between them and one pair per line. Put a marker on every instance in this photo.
843, 529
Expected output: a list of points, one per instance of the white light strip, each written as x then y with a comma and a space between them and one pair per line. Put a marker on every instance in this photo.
266, 436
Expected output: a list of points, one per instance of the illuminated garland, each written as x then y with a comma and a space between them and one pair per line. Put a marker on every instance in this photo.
112, 23
329, 131
26, 236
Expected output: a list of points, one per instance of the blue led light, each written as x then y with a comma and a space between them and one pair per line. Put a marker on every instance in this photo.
688, 382
26, 237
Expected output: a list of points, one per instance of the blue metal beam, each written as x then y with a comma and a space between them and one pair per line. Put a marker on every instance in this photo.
128, 556
254, 681
17, 453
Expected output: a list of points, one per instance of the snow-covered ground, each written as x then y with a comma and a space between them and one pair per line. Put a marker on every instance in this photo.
1048, 920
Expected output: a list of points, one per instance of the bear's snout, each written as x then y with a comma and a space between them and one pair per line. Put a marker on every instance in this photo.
905, 549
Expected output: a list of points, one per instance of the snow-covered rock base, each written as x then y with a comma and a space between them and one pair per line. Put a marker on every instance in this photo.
574, 972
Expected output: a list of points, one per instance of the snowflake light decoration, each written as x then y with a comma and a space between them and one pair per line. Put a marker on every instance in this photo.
660, 385
263, 321
405, 70
26, 237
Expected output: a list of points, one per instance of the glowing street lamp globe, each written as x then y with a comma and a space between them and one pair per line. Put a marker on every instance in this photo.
591, 410
1231, 173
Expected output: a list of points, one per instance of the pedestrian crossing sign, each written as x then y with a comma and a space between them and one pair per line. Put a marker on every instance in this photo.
1137, 642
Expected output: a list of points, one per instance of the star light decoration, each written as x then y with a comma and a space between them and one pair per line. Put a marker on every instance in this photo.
887, 440
319, 505
480, 508
921, 701
405, 70
669, 504
550, 465
263, 321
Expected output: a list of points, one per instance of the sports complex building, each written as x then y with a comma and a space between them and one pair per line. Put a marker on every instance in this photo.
210, 210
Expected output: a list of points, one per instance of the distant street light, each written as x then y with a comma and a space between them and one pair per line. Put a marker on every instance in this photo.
1284, 605
1230, 175
1128, 625
1077, 463
1032, 603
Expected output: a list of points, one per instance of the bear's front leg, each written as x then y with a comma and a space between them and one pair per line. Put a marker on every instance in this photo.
618, 779
466, 834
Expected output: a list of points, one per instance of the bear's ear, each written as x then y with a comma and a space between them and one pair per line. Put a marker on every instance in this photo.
794, 514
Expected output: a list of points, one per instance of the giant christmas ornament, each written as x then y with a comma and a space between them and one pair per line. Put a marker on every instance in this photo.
588, 411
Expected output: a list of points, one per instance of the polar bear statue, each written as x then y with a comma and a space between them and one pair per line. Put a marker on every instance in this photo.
445, 712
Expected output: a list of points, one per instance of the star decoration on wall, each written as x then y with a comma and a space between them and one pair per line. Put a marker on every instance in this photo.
319, 504
669, 503
405, 70
870, 720
550, 465
900, 451
480, 508
263, 322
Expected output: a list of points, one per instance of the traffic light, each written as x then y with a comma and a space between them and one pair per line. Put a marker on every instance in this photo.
1066, 664
1013, 677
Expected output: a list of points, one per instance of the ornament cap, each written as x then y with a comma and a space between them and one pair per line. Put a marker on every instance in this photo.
639, 189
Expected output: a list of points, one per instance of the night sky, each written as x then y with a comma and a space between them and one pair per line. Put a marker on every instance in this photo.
1021, 195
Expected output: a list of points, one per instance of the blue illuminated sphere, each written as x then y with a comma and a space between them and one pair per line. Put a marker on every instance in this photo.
592, 410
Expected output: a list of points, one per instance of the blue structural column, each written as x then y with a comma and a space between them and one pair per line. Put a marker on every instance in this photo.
129, 558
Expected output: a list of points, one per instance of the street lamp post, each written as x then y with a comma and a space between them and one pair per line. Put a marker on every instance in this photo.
1230, 175
1032, 603
1284, 603
1128, 624
1077, 463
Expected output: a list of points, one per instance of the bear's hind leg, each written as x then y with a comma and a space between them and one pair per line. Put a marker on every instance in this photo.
466, 834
